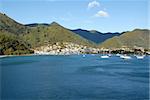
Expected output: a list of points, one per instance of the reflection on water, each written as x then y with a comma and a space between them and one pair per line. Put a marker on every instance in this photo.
74, 78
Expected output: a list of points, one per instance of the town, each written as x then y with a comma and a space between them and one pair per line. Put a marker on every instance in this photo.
67, 48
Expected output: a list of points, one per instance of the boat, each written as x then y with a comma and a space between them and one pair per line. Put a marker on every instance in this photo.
3, 56
118, 54
105, 56
109, 55
93, 54
83, 56
125, 57
140, 57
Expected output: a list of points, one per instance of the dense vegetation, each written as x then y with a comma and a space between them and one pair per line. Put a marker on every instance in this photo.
13, 45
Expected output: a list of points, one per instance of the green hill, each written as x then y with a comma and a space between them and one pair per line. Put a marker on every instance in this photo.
11, 26
16, 38
137, 37
34, 35
53, 33
10, 41
10, 44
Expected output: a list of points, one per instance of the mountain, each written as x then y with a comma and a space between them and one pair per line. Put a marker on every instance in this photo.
10, 41
16, 38
26, 37
40, 35
10, 25
137, 37
94, 35
37, 24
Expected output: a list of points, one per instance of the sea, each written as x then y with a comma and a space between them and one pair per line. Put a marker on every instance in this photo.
74, 77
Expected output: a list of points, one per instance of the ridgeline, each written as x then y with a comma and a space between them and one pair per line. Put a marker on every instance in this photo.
18, 39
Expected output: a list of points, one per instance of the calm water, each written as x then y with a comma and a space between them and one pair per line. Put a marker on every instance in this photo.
74, 78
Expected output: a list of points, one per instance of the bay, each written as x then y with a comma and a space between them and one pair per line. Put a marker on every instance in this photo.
74, 77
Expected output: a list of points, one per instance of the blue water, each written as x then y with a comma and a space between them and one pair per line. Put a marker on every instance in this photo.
74, 78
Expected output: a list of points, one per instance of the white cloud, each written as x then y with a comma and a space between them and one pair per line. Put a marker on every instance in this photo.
93, 4
101, 13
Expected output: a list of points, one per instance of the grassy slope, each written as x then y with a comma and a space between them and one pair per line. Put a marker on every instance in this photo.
41, 35
137, 37
11, 26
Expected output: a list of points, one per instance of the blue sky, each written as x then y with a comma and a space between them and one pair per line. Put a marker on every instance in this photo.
101, 15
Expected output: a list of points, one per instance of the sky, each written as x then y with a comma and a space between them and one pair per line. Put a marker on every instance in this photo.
100, 15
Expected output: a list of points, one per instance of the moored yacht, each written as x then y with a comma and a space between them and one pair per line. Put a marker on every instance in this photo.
140, 56
125, 57
83, 55
109, 55
104, 56
118, 54
2, 56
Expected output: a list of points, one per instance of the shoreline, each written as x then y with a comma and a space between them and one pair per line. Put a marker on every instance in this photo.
5, 56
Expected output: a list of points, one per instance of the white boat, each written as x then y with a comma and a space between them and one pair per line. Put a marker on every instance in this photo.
2, 56
93, 54
109, 55
105, 56
125, 57
83, 56
118, 54
140, 57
